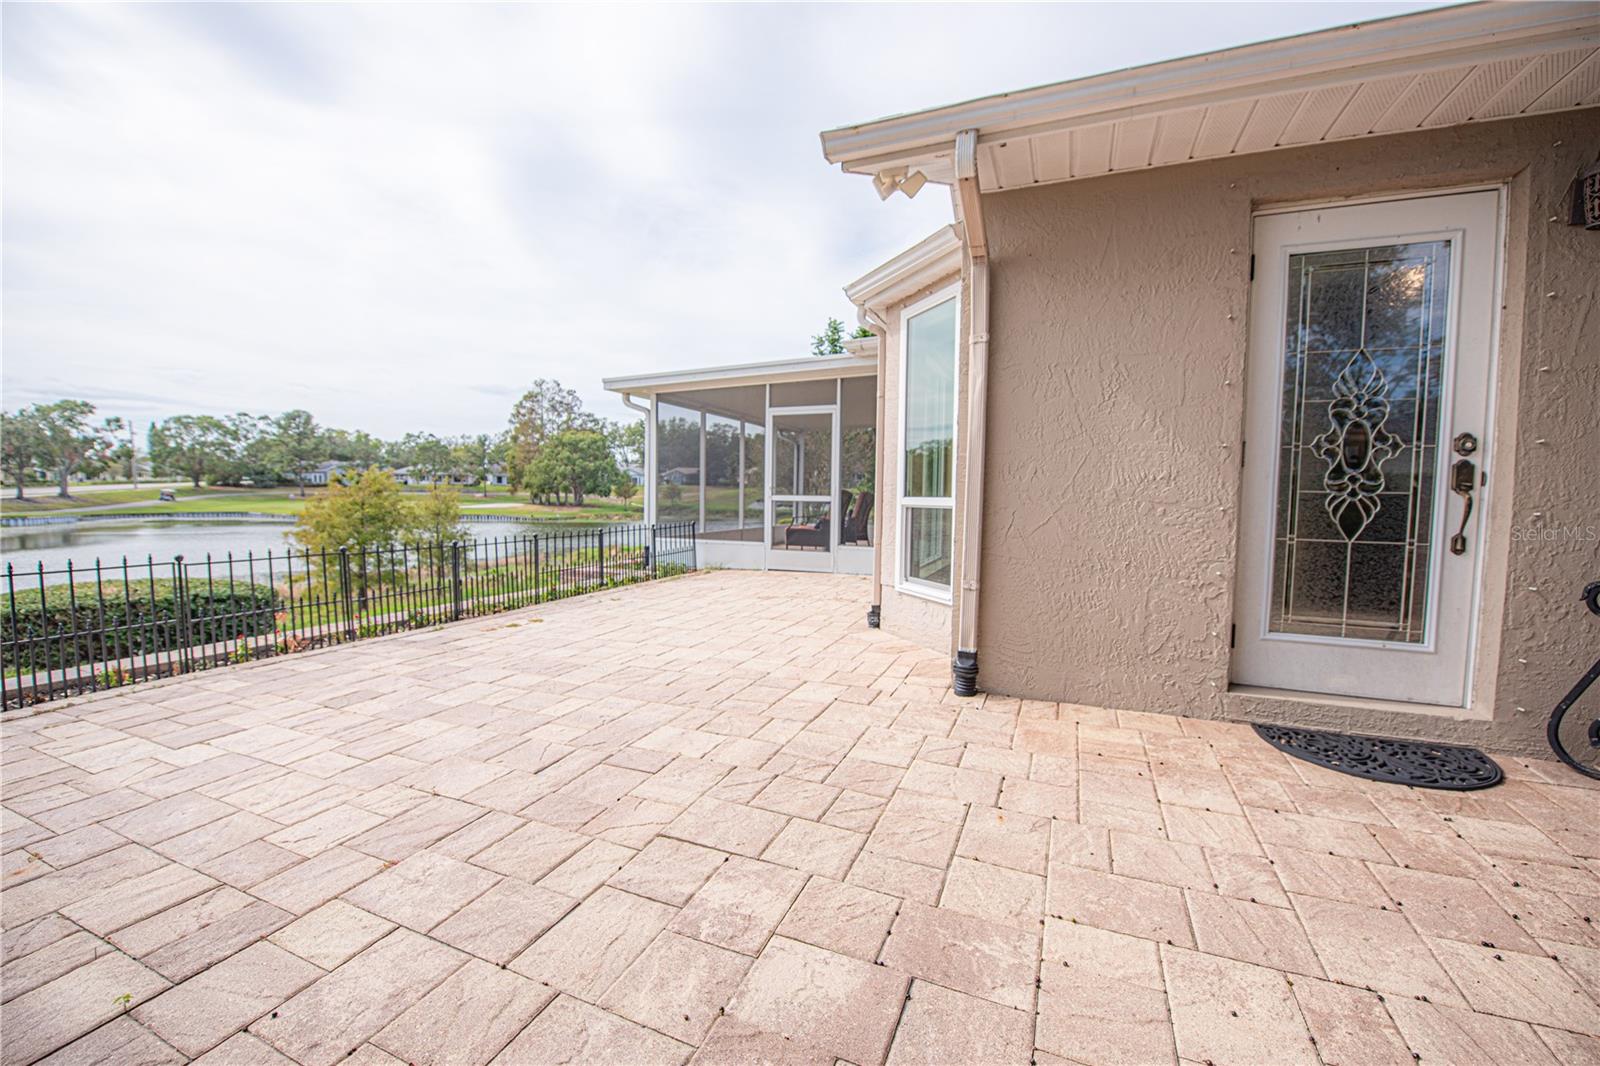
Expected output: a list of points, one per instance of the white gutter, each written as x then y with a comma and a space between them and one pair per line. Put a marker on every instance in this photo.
965, 668
649, 458
873, 321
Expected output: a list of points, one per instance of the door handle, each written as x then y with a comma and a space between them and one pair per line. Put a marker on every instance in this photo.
1463, 479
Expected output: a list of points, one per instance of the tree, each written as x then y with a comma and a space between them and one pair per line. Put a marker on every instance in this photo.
575, 461
831, 340
359, 447
545, 410
474, 457
367, 510
627, 440
362, 515
20, 446
297, 444
195, 446
252, 454
427, 455
67, 440
435, 519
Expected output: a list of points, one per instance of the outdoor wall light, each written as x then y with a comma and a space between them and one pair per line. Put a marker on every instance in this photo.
887, 181
1585, 192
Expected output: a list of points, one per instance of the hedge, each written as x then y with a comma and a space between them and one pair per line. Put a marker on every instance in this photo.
107, 624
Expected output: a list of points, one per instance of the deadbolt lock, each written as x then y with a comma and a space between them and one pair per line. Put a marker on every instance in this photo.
1465, 444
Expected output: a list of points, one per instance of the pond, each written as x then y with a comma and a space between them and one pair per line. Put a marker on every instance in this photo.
25, 548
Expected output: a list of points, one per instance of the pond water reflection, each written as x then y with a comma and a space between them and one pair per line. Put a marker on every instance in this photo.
25, 548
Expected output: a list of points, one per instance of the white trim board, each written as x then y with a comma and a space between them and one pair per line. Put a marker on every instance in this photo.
811, 368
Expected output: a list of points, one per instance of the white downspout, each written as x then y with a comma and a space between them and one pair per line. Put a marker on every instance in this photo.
965, 668
649, 456
874, 322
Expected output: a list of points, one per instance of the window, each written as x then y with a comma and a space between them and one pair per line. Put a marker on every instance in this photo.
928, 444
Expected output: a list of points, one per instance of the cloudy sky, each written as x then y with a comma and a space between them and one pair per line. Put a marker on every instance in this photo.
397, 216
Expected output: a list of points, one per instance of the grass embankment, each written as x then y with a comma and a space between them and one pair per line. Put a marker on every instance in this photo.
287, 501
44, 501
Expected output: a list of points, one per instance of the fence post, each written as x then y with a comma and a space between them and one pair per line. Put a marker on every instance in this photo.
694, 544
345, 594
15, 643
180, 598
600, 538
650, 561
456, 606
538, 586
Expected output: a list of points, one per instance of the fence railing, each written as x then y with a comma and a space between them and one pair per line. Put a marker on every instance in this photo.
72, 630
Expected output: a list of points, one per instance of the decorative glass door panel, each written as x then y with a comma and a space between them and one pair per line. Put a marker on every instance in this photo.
1371, 343
1362, 381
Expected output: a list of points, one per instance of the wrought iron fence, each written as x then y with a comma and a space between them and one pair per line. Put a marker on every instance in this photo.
72, 630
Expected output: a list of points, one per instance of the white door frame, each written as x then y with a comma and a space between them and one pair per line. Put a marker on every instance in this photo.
1436, 671
785, 559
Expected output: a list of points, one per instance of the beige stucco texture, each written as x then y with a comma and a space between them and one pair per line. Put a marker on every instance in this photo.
1116, 408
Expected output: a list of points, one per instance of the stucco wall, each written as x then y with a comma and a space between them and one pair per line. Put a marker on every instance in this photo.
916, 618
1116, 406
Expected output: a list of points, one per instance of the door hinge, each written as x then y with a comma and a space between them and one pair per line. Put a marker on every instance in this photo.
1252, 266
1242, 446
1233, 632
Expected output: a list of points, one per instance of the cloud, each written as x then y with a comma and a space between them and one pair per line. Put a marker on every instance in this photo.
397, 216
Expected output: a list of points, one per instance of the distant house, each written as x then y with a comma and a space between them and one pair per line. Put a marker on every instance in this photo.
327, 473
407, 475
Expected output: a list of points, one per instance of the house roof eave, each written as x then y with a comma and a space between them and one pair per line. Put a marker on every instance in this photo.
931, 259
810, 368
1342, 59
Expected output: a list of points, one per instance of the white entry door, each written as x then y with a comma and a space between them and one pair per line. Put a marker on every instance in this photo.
1367, 437
802, 488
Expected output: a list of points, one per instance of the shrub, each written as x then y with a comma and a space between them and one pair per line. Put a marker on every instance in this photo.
85, 623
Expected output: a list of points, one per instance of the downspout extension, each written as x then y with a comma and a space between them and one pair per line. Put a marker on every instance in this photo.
964, 670
875, 611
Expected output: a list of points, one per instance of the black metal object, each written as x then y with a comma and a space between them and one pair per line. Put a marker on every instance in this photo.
76, 629
1585, 738
1402, 762
964, 672
874, 617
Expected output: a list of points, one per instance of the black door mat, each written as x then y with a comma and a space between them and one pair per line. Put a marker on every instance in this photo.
1402, 762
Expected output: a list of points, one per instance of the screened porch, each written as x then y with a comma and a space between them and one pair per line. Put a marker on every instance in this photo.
776, 462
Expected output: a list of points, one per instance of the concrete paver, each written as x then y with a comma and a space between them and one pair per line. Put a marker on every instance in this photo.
719, 818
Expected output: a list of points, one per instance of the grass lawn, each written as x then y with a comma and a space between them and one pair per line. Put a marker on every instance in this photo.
286, 500
256, 501
45, 501
594, 509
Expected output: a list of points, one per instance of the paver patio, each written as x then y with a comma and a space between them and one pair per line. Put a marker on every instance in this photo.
718, 819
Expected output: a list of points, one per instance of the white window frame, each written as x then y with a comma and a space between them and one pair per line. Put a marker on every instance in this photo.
903, 581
